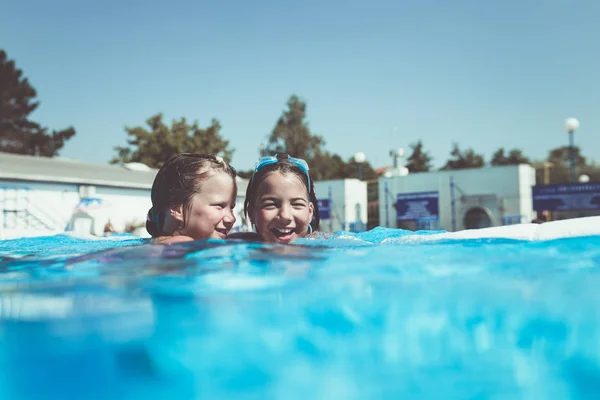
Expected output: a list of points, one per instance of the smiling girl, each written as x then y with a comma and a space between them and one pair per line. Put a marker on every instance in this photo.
193, 197
280, 199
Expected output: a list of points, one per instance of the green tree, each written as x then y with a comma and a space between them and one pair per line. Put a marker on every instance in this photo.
153, 146
419, 160
325, 166
559, 160
20, 135
561, 156
514, 157
292, 134
463, 159
351, 170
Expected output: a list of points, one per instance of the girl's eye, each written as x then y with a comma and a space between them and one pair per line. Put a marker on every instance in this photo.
268, 206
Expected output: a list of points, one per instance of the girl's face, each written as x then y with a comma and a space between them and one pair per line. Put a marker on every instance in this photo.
210, 215
282, 210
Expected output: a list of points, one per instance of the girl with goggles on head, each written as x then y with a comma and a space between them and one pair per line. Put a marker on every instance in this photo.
280, 199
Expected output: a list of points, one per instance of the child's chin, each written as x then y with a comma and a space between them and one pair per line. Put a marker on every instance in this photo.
286, 239
218, 235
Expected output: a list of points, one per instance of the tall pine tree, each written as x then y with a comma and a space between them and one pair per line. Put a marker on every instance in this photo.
292, 134
419, 160
514, 157
18, 134
463, 159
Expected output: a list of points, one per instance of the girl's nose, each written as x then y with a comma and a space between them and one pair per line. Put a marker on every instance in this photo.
285, 212
229, 218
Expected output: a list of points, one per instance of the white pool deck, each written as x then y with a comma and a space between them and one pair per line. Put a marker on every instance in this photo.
588, 226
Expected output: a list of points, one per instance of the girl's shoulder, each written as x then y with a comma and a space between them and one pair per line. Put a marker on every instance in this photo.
171, 239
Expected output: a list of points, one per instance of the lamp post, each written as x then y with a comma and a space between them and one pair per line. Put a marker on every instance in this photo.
360, 158
396, 154
397, 168
584, 178
571, 125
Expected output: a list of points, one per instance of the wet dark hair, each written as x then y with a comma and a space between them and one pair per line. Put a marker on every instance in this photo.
178, 181
283, 166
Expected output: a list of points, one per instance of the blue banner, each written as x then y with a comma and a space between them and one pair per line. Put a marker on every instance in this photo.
416, 206
567, 197
324, 208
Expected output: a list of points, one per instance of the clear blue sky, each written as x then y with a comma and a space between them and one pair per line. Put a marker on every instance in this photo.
485, 74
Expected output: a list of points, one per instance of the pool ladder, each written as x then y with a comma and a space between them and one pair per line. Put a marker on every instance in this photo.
19, 212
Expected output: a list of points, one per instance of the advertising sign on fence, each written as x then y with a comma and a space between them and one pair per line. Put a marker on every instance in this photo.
417, 206
324, 208
566, 197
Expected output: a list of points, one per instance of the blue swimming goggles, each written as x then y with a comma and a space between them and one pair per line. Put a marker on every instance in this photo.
298, 162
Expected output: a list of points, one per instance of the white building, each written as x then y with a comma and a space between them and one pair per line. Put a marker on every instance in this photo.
40, 196
467, 199
347, 204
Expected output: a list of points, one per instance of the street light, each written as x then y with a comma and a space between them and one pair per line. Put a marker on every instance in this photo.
397, 167
396, 154
360, 158
571, 125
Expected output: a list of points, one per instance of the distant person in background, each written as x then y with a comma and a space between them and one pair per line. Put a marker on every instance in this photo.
280, 200
193, 196
108, 228
541, 218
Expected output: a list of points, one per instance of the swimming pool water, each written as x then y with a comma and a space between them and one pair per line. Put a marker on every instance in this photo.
375, 315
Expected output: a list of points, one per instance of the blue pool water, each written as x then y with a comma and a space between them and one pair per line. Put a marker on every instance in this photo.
376, 315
